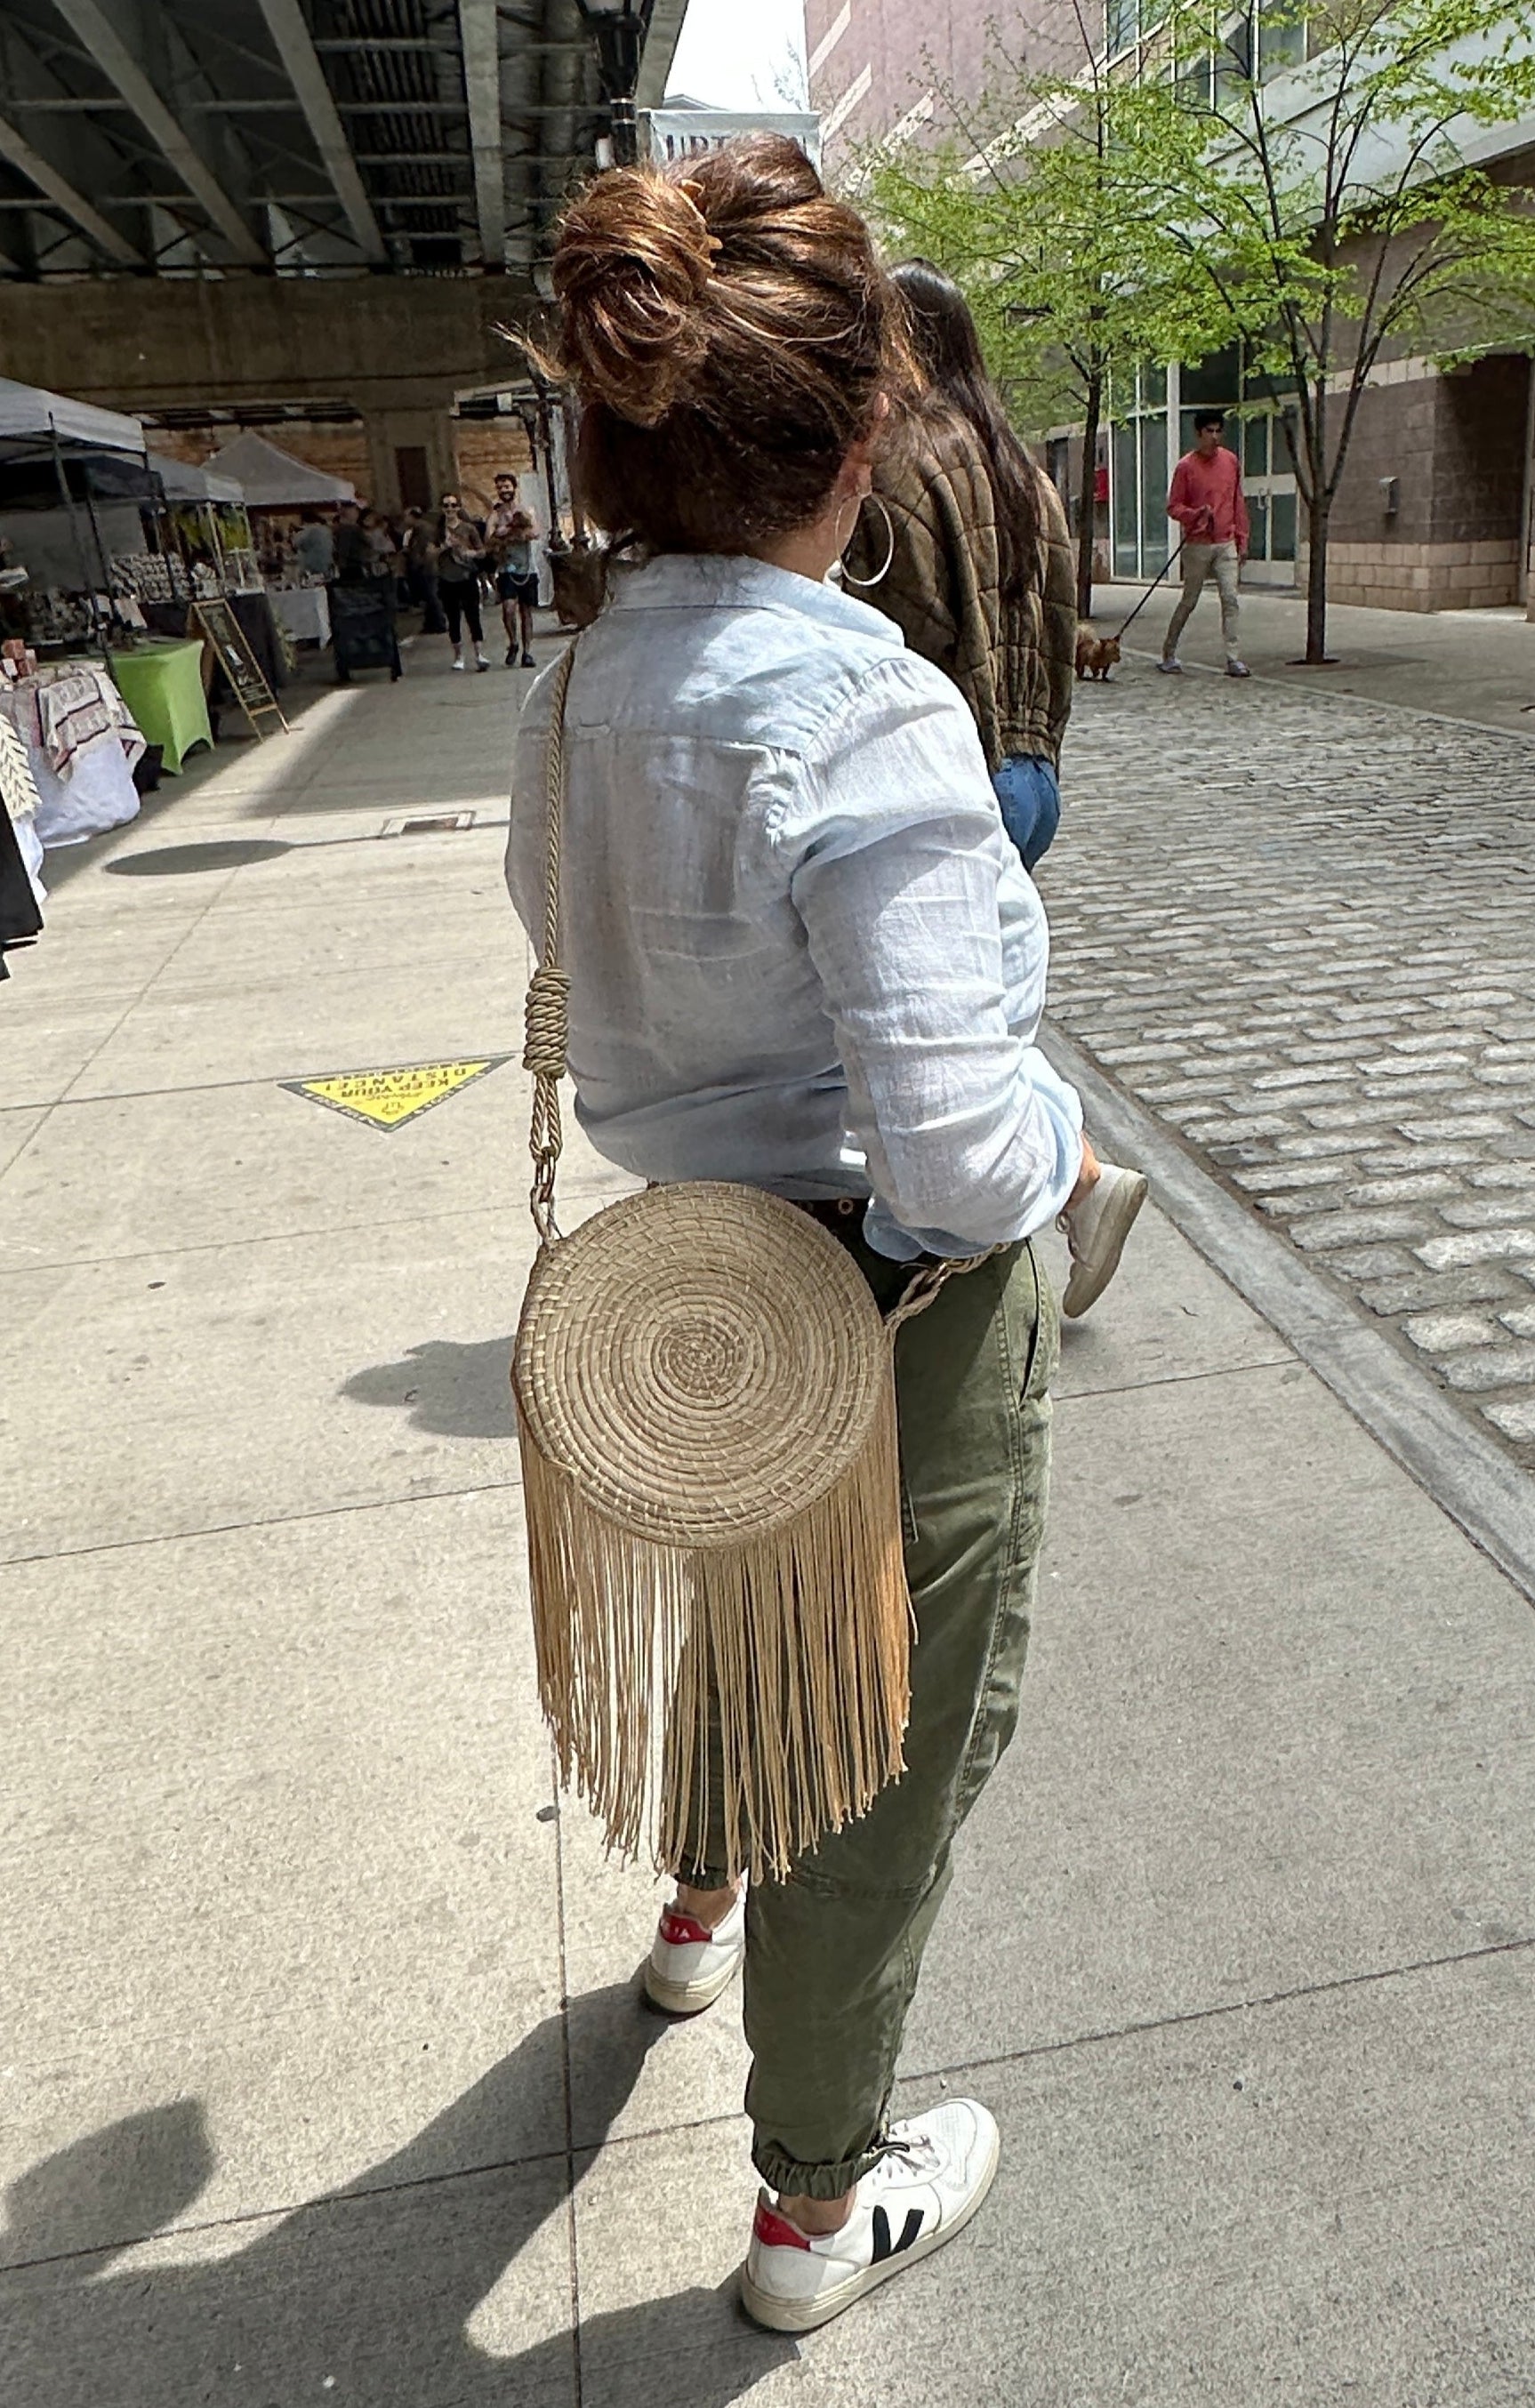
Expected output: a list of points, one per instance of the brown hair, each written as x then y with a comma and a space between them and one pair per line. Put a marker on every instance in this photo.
729, 331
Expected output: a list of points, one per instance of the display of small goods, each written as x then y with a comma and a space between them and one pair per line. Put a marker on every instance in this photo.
154, 575
17, 659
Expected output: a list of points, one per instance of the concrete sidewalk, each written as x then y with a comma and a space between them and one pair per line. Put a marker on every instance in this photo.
324, 2074
1476, 664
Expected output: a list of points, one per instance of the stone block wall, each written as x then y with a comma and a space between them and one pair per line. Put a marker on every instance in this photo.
1456, 446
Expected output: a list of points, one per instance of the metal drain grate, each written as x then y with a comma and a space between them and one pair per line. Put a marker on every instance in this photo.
443, 823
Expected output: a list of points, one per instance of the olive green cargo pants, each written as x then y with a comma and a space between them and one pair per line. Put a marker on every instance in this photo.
833, 1952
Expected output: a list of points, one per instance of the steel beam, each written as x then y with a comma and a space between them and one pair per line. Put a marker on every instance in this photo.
17, 151
294, 46
88, 21
479, 33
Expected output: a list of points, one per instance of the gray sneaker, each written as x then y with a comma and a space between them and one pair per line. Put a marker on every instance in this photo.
1238, 668
1170, 669
1096, 1231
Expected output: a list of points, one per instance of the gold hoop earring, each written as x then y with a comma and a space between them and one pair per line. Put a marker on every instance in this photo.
888, 563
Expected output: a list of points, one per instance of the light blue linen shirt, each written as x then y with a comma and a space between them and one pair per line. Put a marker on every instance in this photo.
802, 951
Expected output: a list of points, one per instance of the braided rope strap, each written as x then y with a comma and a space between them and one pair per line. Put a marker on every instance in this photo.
547, 1021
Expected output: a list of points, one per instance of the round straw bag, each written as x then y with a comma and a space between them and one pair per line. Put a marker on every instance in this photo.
706, 1407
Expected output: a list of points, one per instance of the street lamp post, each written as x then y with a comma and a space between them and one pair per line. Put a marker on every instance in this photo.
619, 27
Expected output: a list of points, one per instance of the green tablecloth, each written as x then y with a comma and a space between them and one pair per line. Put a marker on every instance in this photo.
163, 686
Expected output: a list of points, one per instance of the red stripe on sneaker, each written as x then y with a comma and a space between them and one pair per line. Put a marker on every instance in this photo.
677, 1929
775, 2232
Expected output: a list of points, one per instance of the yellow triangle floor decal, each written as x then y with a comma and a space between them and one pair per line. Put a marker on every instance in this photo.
386, 1099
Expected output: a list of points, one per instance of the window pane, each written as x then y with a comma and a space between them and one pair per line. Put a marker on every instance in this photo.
1154, 387
1154, 490
1255, 446
1282, 535
1216, 380
1121, 25
1258, 512
1282, 42
1126, 550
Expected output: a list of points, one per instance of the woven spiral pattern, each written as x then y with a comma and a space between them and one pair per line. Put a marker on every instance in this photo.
704, 1362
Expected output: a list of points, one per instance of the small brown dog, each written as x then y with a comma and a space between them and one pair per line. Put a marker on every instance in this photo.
1096, 654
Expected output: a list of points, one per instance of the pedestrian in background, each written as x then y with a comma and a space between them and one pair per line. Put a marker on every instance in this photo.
461, 561
353, 562
421, 570
964, 543
508, 537
803, 957
314, 546
1207, 501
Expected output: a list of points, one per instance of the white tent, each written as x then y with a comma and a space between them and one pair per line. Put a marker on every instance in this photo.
184, 483
30, 415
271, 480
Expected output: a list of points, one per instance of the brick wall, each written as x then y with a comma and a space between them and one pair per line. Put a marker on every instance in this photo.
1456, 445
481, 449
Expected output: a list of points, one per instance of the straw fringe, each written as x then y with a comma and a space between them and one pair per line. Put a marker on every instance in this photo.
777, 1668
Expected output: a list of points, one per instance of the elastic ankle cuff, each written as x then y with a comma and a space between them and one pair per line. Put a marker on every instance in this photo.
792, 2179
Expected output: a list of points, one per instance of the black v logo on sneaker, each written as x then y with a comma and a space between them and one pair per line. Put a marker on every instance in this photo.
884, 2247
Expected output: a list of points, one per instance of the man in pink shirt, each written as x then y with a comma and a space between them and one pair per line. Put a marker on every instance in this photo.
1207, 501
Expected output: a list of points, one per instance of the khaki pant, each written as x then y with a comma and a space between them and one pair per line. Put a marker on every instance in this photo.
1201, 560
832, 1952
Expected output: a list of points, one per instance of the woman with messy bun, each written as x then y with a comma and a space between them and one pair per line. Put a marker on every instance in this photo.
803, 955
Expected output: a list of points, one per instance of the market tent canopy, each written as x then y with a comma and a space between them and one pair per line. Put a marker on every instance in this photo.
30, 415
271, 480
184, 483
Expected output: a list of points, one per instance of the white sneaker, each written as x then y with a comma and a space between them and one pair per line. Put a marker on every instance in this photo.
481, 662
458, 663
1095, 1232
940, 2168
1170, 669
689, 1964
1238, 668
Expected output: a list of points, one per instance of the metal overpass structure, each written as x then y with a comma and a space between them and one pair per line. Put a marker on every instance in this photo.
307, 139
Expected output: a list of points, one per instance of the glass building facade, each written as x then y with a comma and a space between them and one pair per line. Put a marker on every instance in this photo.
1153, 426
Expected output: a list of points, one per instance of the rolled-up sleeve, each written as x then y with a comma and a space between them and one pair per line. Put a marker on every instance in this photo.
898, 870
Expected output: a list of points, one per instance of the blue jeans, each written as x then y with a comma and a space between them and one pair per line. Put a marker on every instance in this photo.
1030, 793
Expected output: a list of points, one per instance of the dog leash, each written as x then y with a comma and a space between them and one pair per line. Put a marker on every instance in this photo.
1169, 563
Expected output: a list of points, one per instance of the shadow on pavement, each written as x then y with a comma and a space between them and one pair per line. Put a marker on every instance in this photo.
363, 2297
186, 860
455, 1391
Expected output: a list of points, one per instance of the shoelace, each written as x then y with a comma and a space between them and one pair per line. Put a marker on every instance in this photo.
918, 2155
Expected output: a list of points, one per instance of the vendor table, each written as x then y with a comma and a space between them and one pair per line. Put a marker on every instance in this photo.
81, 745
163, 686
303, 610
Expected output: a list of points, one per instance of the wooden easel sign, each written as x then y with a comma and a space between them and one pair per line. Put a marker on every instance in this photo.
240, 665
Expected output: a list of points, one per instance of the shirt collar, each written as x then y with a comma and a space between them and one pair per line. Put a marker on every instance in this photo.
692, 581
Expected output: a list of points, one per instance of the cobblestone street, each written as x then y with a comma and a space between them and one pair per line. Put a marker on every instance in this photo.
1300, 929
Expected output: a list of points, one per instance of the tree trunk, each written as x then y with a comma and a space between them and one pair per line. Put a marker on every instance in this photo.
1087, 526
1318, 513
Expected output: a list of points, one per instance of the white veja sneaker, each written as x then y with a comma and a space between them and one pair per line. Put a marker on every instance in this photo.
689, 1964
1095, 1232
927, 2190
1171, 668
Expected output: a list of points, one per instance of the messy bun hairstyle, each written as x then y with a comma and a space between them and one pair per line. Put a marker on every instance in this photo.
729, 331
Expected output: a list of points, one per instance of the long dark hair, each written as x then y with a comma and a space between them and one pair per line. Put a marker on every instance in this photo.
949, 356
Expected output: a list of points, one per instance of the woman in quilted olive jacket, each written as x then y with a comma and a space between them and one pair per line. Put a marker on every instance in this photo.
981, 579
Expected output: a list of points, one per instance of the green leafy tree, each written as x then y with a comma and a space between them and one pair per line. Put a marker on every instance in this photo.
1335, 206
1044, 197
